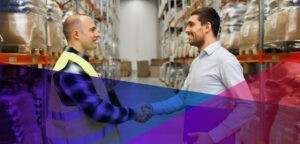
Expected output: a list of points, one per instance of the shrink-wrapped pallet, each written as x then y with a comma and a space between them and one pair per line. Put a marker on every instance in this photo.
23, 24
284, 23
275, 27
293, 24
22, 32
249, 29
249, 35
55, 36
232, 21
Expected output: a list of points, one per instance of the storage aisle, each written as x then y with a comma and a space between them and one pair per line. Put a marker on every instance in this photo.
144, 45
143, 80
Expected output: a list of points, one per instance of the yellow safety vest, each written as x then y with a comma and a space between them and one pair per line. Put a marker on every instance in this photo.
69, 124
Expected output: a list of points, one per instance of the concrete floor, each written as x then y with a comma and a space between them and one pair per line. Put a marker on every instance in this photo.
154, 81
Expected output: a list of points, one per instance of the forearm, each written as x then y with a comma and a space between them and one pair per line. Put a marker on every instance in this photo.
105, 112
170, 105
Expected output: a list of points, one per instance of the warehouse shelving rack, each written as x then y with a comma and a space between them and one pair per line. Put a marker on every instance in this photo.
25, 59
44, 60
175, 26
260, 58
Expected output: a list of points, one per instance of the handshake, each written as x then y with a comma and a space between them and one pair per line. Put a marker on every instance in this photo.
143, 113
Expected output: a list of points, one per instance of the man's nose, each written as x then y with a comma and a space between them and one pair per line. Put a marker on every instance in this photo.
187, 30
97, 34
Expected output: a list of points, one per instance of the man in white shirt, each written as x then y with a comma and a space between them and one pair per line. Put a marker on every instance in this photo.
214, 72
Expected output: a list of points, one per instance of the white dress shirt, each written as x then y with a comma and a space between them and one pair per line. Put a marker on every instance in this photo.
214, 72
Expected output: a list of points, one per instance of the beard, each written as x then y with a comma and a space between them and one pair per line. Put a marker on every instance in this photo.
197, 43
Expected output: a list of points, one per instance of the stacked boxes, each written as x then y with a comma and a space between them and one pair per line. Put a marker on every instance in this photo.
55, 37
282, 23
272, 25
249, 30
23, 25
231, 24
292, 8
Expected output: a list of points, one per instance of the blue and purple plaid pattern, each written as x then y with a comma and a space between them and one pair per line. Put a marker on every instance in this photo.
75, 87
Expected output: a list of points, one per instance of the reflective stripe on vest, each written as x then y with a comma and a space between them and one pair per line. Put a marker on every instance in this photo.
66, 56
69, 124
87, 67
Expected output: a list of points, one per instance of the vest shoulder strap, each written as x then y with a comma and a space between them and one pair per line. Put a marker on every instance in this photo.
68, 56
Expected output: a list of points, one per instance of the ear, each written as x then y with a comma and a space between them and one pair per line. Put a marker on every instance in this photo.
75, 34
207, 27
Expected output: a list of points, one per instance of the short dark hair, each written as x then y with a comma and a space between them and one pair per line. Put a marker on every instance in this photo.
210, 15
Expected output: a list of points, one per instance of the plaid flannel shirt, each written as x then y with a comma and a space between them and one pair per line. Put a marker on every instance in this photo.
75, 87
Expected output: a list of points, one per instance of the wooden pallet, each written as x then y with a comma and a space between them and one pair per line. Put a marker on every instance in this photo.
14, 49
234, 51
272, 50
37, 51
247, 51
22, 49
54, 53
280, 46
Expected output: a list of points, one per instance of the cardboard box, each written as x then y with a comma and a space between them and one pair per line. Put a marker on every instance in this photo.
293, 24
249, 33
156, 62
154, 71
125, 68
143, 68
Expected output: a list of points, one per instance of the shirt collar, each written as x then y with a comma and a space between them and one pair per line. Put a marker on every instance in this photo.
72, 50
212, 48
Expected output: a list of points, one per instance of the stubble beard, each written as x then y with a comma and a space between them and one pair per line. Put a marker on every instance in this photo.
197, 43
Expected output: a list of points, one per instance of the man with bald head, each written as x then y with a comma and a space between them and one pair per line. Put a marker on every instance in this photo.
80, 32
79, 110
